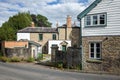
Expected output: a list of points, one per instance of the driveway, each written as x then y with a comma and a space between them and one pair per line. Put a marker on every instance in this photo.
25, 71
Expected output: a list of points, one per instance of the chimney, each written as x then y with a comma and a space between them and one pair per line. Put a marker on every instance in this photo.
32, 24
57, 24
69, 23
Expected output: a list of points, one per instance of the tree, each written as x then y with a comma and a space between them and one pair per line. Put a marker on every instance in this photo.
40, 21
9, 29
19, 21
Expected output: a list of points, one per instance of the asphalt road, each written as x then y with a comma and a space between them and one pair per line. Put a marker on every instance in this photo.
23, 71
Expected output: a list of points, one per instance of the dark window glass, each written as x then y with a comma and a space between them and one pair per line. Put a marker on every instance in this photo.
102, 19
40, 37
54, 36
95, 20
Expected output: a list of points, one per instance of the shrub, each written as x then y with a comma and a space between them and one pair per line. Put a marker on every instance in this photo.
4, 59
15, 59
40, 57
1, 54
30, 59
60, 65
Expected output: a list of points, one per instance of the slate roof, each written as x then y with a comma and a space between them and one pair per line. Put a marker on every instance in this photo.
38, 30
65, 25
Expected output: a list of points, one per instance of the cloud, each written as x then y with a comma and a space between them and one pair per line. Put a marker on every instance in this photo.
54, 10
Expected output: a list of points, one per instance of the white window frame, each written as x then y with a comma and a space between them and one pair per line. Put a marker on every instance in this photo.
98, 20
95, 50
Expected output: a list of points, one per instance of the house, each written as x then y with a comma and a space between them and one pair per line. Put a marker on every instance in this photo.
47, 36
100, 23
20, 48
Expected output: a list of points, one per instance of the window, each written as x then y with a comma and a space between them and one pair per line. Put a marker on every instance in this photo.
95, 50
40, 37
102, 19
64, 48
88, 20
95, 20
54, 36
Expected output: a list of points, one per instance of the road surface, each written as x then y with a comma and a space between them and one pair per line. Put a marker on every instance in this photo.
25, 71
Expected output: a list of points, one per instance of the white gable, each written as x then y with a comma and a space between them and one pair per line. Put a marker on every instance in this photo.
23, 36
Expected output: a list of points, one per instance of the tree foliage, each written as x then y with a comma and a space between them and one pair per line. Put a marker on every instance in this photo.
9, 29
40, 20
19, 21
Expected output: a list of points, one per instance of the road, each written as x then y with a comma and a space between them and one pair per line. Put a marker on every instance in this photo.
25, 71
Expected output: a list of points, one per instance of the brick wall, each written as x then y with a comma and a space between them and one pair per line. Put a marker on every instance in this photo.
11, 44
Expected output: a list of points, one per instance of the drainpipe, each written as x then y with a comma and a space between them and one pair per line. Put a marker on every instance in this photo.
81, 47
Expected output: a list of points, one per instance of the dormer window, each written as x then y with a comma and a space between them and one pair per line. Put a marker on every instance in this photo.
95, 20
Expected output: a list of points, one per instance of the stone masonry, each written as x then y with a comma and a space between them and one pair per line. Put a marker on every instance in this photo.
110, 61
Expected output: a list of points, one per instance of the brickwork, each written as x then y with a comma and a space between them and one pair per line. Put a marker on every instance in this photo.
110, 60
11, 44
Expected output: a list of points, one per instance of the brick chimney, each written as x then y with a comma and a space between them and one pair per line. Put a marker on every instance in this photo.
69, 21
32, 24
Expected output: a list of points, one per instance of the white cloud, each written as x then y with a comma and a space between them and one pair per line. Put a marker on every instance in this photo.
55, 12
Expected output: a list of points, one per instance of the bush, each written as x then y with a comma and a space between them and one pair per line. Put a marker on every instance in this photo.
59, 65
1, 54
40, 57
30, 59
4, 59
15, 59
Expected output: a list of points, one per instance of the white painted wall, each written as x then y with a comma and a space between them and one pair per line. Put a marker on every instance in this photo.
23, 36
112, 7
57, 42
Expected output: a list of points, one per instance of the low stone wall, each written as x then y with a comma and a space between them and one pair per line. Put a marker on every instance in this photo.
110, 61
71, 58
18, 52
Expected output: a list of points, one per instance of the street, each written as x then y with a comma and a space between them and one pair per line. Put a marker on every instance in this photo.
28, 71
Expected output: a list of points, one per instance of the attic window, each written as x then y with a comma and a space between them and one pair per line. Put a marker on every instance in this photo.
95, 20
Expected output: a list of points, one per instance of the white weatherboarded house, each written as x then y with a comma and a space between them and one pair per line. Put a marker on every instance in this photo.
100, 24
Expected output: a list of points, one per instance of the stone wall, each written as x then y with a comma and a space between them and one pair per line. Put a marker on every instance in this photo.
110, 61
18, 52
70, 59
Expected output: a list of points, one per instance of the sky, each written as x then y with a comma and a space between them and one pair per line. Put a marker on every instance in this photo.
54, 10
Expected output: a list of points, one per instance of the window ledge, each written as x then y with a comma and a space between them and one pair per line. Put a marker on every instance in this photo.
94, 60
95, 26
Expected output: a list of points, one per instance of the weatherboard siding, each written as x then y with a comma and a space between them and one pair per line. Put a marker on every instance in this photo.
112, 8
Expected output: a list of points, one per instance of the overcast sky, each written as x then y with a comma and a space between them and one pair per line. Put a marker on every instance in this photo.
54, 10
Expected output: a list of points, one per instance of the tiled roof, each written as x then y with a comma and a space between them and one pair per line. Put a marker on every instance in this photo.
38, 30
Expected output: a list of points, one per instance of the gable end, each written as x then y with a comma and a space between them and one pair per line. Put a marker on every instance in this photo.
88, 9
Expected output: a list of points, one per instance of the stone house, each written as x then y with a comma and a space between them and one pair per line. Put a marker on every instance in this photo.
100, 23
48, 35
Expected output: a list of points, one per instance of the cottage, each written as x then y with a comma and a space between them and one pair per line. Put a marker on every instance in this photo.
47, 36
100, 23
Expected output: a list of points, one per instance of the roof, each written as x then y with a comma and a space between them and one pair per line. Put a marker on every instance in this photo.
30, 42
38, 30
65, 26
34, 43
88, 9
